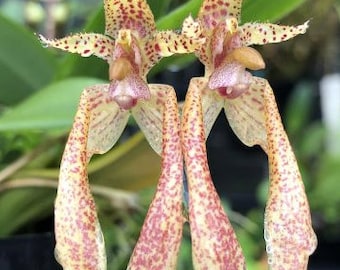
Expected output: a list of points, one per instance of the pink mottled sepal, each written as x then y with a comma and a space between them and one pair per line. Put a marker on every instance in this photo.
160, 237
214, 243
83, 44
79, 240
288, 231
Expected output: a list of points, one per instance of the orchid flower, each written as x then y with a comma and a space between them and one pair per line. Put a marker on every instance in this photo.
131, 45
251, 110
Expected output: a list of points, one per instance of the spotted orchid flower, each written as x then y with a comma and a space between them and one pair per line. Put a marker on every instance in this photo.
251, 110
131, 45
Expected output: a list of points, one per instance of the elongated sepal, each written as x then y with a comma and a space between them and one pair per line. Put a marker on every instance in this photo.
288, 231
79, 240
214, 243
160, 237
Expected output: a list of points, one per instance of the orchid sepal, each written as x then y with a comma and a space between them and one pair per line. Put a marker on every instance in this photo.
79, 240
214, 243
161, 234
288, 231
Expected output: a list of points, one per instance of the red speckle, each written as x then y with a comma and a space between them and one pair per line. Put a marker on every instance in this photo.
157, 48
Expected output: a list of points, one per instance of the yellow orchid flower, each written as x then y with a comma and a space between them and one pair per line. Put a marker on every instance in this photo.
251, 110
131, 45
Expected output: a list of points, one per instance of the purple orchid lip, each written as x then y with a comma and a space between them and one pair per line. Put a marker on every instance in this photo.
230, 80
128, 91
232, 92
125, 102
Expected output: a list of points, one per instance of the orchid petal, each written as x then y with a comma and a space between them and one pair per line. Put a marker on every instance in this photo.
214, 243
212, 103
263, 33
214, 11
246, 117
83, 44
288, 231
149, 115
133, 14
160, 237
170, 43
191, 28
79, 240
167, 43
107, 120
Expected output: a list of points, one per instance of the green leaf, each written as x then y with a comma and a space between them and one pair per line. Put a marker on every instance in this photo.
51, 108
267, 10
175, 18
19, 206
25, 65
159, 8
325, 195
299, 108
132, 165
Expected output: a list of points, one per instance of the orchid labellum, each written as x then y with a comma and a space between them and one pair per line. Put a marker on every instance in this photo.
251, 110
131, 46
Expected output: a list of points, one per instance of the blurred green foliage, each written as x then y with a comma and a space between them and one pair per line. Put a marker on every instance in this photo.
39, 91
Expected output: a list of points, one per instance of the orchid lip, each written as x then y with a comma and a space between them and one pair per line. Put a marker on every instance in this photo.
125, 102
232, 92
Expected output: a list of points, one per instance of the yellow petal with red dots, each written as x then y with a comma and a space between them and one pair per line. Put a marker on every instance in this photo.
263, 33
212, 103
83, 44
246, 117
149, 115
168, 43
107, 120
